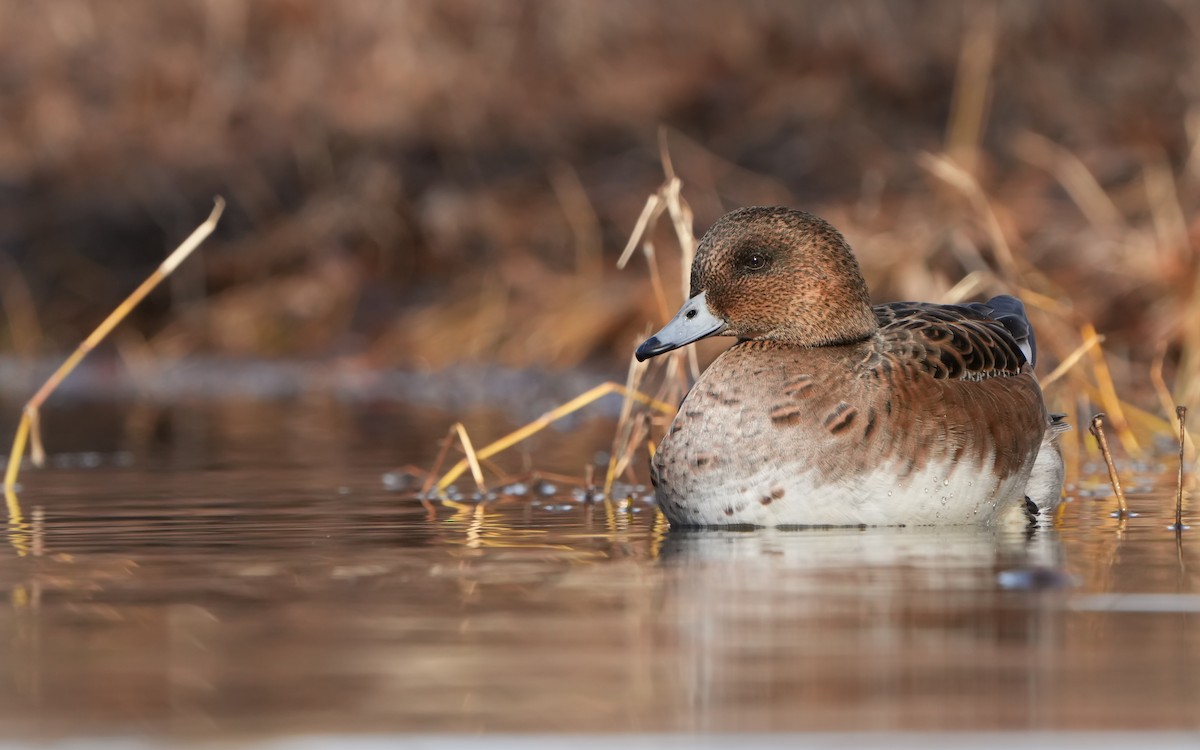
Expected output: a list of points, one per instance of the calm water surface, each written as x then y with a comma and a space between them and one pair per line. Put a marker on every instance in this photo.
242, 570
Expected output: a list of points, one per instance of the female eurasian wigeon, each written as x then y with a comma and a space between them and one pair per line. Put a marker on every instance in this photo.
828, 411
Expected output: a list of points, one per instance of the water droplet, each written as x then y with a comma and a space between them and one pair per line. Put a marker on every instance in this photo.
945, 482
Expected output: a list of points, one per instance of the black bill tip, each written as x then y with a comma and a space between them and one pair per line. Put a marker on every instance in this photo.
651, 347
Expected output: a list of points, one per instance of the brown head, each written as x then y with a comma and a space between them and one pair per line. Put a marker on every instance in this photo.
771, 273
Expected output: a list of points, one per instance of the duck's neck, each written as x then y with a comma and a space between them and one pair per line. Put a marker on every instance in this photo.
836, 325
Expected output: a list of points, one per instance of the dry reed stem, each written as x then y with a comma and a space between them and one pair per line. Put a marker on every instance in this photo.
1074, 177
945, 169
1181, 415
1149, 424
1165, 400
29, 426
471, 459
581, 218
624, 435
18, 529
650, 212
967, 286
660, 296
1170, 226
1108, 391
431, 477
681, 220
679, 211
624, 465
668, 198
438, 461
1164, 393
1097, 429
630, 430
24, 328
1044, 303
545, 420
972, 86
1071, 359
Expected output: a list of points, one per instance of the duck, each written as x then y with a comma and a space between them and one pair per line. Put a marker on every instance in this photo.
831, 411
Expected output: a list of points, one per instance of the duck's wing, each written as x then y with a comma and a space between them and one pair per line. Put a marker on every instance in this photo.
1010, 313
956, 342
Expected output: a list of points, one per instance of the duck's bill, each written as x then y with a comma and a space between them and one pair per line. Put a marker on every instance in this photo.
693, 322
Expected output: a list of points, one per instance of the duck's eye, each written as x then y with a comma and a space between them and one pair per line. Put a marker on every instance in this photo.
755, 261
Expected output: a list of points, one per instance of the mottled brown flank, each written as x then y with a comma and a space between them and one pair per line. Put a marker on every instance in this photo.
848, 421
841, 417
785, 414
704, 459
869, 428
798, 386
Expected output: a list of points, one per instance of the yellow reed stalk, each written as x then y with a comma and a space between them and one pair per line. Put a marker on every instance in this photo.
972, 86
1181, 415
1147, 423
1074, 177
967, 286
625, 428
547, 419
1097, 430
472, 459
660, 295
650, 213
1165, 399
1043, 302
948, 171
616, 468
1108, 391
427, 485
1071, 359
1164, 393
678, 209
29, 426
18, 530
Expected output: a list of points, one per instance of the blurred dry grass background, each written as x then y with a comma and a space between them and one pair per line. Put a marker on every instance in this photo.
414, 184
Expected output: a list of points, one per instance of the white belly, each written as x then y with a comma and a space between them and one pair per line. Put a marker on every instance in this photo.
961, 493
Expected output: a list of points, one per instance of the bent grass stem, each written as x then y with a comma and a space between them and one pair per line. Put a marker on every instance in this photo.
29, 429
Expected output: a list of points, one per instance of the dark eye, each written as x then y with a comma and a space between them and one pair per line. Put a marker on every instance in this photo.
755, 261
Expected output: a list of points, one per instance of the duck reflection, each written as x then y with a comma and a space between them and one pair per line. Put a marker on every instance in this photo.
894, 627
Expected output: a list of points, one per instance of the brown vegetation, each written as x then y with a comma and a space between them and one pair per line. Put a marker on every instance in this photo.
415, 184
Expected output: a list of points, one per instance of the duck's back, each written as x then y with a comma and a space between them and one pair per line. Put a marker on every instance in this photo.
936, 418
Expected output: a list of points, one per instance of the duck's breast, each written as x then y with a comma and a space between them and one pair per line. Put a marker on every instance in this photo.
812, 436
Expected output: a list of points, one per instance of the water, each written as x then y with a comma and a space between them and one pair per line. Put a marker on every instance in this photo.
240, 571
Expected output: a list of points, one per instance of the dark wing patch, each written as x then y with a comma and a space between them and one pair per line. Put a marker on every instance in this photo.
956, 342
1010, 312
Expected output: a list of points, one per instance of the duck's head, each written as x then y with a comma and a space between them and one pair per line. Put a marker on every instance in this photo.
771, 273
